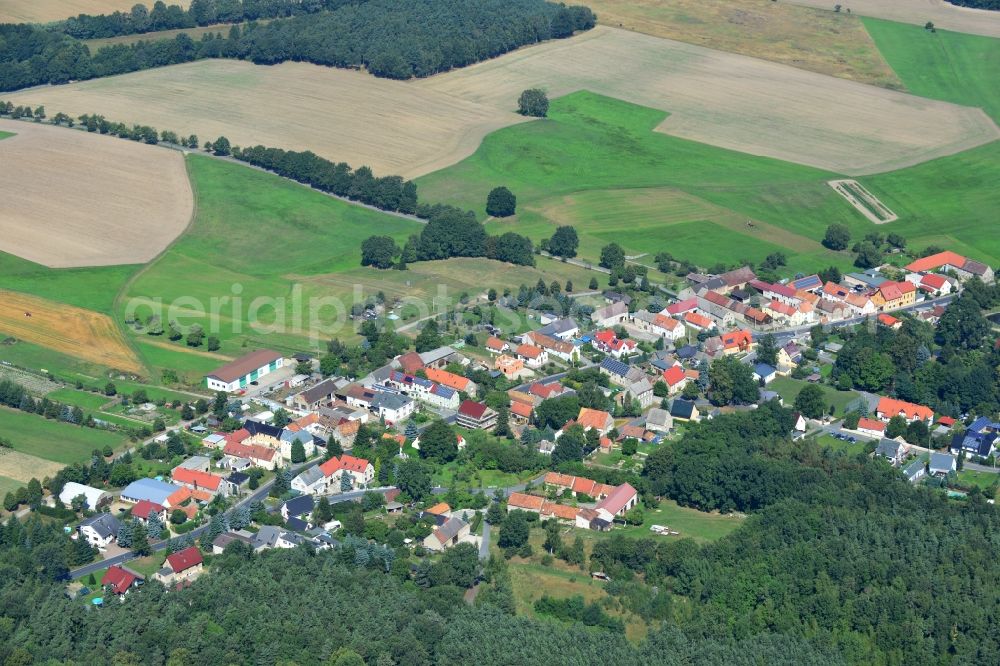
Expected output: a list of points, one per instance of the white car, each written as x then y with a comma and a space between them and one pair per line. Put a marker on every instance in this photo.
659, 529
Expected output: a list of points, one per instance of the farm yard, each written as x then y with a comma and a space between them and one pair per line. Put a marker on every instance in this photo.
813, 39
414, 127
918, 12
83, 334
81, 199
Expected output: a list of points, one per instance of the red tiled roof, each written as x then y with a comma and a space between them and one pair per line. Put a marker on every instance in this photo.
178, 497
593, 418
891, 291
946, 421
545, 391
522, 409
936, 261
495, 343
449, 379
560, 511
682, 306
890, 407
698, 320
118, 578
871, 424
250, 451
438, 509
887, 320
472, 409
673, 375
836, 290
716, 298
582, 485
183, 560
933, 280
737, 338
144, 508
665, 322
196, 478
783, 308
410, 362
523, 501
238, 436
529, 351
557, 479
352, 464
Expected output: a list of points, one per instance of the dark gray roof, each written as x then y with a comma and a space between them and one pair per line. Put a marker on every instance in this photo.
325, 389
449, 529
888, 448
104, 524
300, 505
682, 409
941, 462
615, 366
258, 428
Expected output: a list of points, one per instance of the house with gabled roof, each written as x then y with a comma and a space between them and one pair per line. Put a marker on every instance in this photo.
197, 480
476, 416
119, 580
451, 380
99, 530
495, 345
564, 329
890, 407
675, 378
622, 499
448, 534
610, 315
533, 357
595, 418
182, 566
891, 450
237, 375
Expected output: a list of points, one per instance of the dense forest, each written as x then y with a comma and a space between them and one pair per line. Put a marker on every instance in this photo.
389, 39
977, 4
301, 607
843, 551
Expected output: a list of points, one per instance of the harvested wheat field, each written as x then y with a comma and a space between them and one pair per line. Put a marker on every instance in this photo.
820, 41
24, 467
73, 199
43, 11
415, 127
73, 331
943, 15
343, 115
735, 102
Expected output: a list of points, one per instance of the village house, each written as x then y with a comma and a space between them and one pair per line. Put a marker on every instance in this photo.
495, 345
897, 294
312, 398
951, 262
450, 533
119, 580
608, 342
452, 381
659, 420
99, 530
890, 407
564, 329
891, 450
621, 500
181, 567
675, 379
198, 480
392, 407
595, 418
942, 464
684, 410
145, 509
698, 322
561, 349
532, 356
609, 315
871, 427
476, 416
257, 454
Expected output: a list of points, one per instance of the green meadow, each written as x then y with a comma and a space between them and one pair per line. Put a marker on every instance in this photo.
950, 66
54, 440
596, 163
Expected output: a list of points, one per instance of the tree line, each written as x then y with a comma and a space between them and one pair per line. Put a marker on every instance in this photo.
388, 39
141, 19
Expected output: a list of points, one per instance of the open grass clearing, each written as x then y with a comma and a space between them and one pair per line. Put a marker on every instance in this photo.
944, 65
943, 14
819, 41
691, 523
985, 481
81, 399
415, 127
789, 389
858, 447
69, 330
53, 440
9, 485
74, 198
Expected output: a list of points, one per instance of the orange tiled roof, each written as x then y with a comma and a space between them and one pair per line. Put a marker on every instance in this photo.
523, 501
936, 261
593, 418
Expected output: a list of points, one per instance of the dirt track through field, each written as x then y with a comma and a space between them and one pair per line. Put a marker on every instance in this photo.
43, 11
72, 198
415, 127
943, 15
80, 333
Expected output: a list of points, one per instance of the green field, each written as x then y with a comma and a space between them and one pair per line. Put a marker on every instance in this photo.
691, 523
789, 388
53, 440
7, 484
860, 446
90, 288
950, 66
595, 163
81, 399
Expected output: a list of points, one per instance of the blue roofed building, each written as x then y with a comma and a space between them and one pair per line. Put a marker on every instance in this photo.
807, 283
148, 489
764, 372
